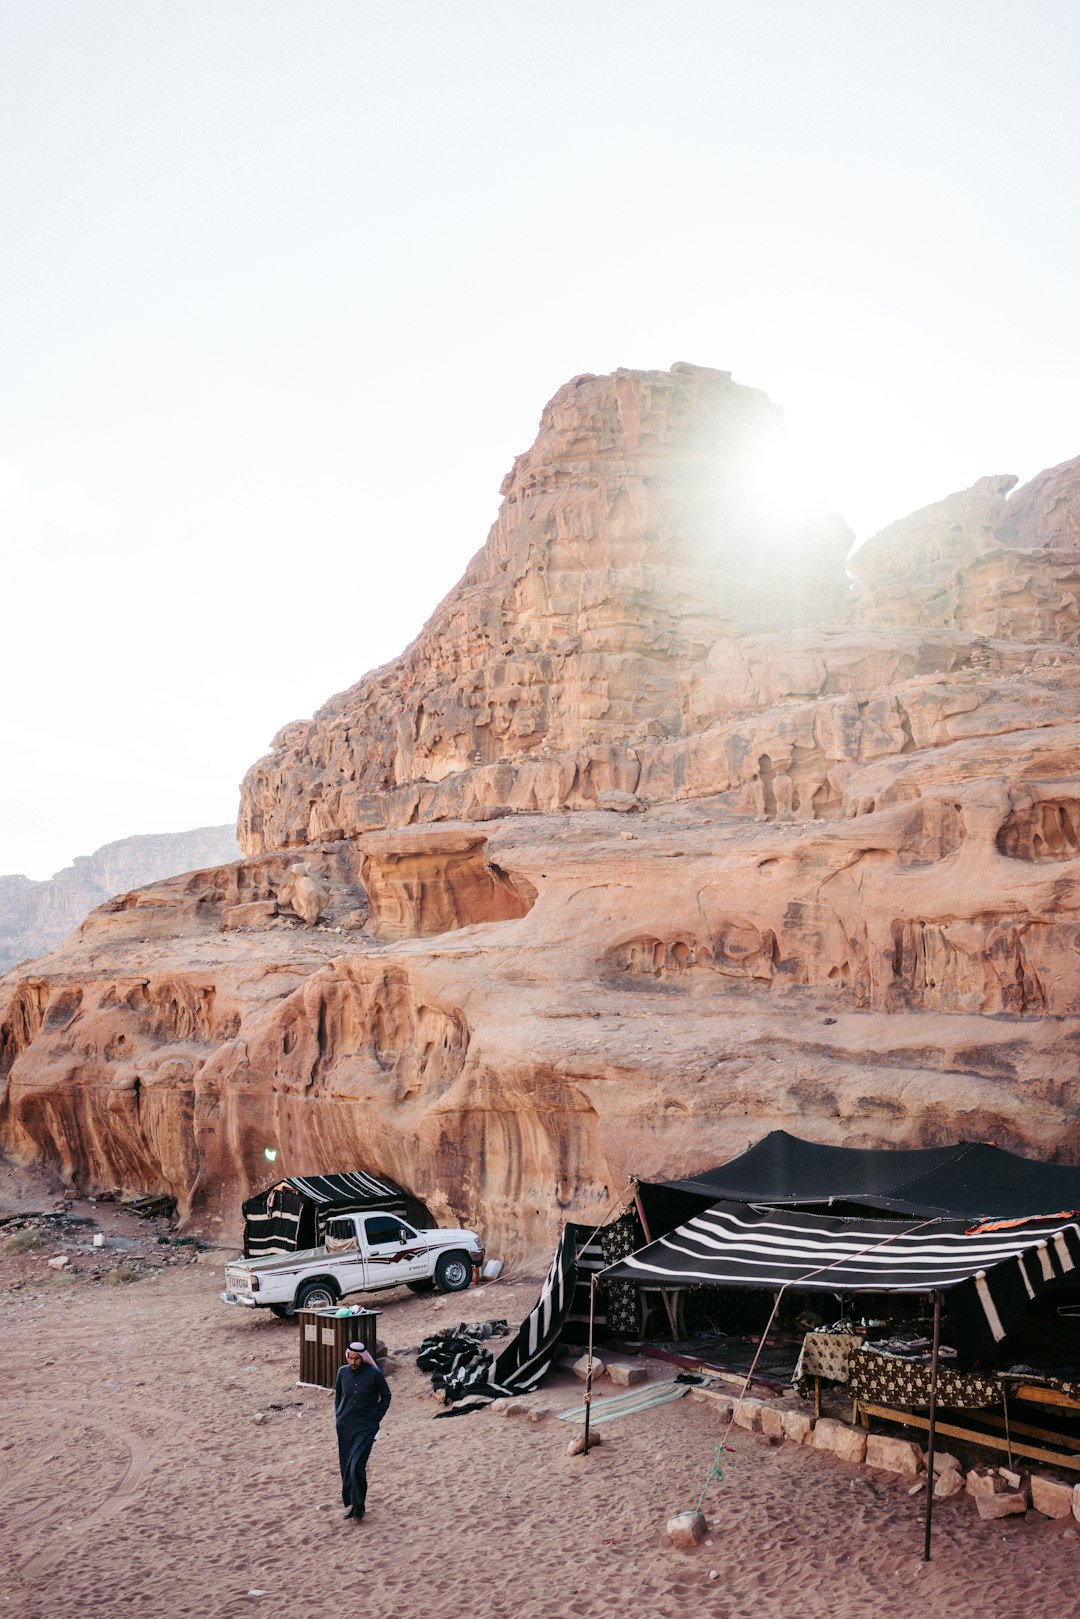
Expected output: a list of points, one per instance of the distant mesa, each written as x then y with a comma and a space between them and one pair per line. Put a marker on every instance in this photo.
37, 916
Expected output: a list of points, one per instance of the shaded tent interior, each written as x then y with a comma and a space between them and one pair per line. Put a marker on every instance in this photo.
291, 1215
989, 1275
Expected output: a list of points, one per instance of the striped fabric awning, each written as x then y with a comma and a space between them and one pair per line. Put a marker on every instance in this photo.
357, 1184
988, 1277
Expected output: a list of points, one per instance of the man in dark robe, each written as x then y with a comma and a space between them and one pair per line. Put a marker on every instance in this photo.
361, 1400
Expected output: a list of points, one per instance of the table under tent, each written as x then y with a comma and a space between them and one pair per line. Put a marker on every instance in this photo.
985, 1241
291, 1215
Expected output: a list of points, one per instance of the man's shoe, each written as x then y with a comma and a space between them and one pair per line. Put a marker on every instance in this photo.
349, 1514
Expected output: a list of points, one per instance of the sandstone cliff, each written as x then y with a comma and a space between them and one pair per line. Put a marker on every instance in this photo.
822, 869
37, 916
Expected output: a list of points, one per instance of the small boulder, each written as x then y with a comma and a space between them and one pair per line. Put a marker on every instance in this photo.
626, 1376
951, 1482
576, 1447
984, 1481
946, 1462
580, 1367
847, 1443
386, 1365
772, 1421
58, 1262
1000, 1506
540, 1413
893, 1455
748, 1415
798, 1426
254, 913
512, 1408
304, 893
1051, 1497
686, 1528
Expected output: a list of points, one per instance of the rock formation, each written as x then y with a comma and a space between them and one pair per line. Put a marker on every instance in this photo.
37, 916
822, 870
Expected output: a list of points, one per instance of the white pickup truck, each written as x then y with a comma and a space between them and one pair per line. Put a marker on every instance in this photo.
361, 1253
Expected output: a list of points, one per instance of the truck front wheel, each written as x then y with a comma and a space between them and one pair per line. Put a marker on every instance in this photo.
453, 1273
316, 1296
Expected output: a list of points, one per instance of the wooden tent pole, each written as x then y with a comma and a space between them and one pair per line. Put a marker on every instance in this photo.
588, 1370
933, 1422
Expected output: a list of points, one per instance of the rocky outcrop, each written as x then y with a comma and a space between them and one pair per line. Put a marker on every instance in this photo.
725, 872
627, 545
36, 916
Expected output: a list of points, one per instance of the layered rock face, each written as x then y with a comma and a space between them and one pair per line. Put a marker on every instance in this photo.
37, 916
822, 870
627, 545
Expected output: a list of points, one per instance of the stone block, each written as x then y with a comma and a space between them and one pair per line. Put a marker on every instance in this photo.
747, 1415
686, 1528
893, 1455
626, 1376
1051, 1497
951, 1482
1076, 1502
772, 1421
255, 914
576, 1447
1001, 1506
984, 1481
798, 1426
945, 1462
512, 1408
580, 1368
846, 1442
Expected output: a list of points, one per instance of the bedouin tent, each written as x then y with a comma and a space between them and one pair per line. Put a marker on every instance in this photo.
987, 1274
965, 1181
292, 1214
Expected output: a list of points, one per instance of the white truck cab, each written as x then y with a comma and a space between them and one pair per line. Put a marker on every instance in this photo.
361, 1253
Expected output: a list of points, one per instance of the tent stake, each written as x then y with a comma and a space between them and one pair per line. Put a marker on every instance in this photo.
588, 1369
933, 1422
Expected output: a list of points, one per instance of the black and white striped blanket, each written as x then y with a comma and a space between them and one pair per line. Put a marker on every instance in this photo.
475, 1380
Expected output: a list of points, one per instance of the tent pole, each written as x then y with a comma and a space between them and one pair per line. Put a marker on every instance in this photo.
933, 1422
588, 1370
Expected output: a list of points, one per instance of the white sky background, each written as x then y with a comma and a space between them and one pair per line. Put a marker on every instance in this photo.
285, 287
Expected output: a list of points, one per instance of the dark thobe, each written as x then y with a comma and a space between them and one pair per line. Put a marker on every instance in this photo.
361, 1400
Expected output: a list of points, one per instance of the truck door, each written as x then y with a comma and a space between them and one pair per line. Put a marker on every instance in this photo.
394, 1251
346, 1262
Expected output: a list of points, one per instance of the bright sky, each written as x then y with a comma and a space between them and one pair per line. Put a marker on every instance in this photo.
285, 288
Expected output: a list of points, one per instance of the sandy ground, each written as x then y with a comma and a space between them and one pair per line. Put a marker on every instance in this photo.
135, 1480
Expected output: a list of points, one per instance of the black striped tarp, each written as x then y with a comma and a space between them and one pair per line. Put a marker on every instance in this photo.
527, 1356
988, 1277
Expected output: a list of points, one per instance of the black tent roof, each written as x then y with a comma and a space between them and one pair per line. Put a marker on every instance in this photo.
989, 1274
967, 1181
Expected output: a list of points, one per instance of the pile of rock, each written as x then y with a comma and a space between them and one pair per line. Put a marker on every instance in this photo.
998, 1491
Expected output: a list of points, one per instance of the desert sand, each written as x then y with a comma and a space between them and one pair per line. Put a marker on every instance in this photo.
136, 1480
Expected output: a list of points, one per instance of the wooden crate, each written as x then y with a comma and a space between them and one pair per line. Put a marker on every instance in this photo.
324, 1338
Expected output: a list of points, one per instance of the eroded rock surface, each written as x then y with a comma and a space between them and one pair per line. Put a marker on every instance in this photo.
741, 850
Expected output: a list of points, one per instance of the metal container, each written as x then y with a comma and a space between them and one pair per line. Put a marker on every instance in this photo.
324, 1338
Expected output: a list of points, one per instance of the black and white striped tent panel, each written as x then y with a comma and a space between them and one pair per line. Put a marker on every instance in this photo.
358, 1185
527, 1356
590, 1261
988, 1276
